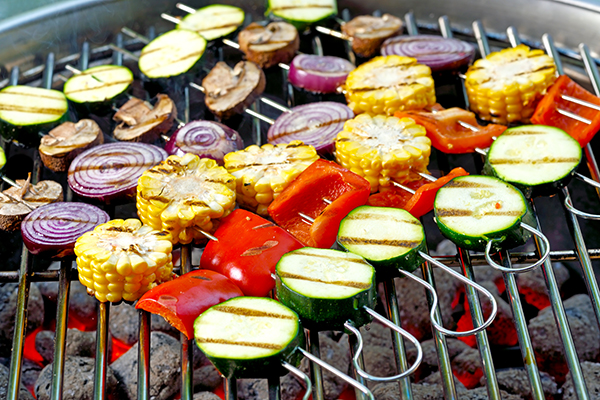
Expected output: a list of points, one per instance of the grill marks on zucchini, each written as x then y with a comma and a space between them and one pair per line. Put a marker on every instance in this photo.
213, 21
98, 84
303, 12
25, 105
381, 242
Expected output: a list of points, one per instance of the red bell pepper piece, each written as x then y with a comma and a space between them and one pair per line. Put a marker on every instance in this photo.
322, 180
183, 299
419, 203
546, 112
247, 251
448, 135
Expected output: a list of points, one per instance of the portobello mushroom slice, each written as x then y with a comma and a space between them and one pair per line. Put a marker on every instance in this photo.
17, 202
269, 45
62, 144
140, 122
368, 32
230, 91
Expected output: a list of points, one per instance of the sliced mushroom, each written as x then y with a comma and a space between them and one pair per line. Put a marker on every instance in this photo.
140, 122
62, 144
230, 91
17, 202
269, 45
368, 32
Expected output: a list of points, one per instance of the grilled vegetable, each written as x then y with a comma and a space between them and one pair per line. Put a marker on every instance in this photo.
183, 195
316, 124
231, 91
302, 13
214, 21
206, 139
438, 53
248, 259
65, 142
97, 88
25, 111
368, 32
17, 202
472, 210
140, 122
382, 149
448, 134
263, 172
537, 159
324, 192
546, 113
388, 84
183, 299
326, 287
123, 260
52, 229
388, 238
269, 45
250, 337
171, 54
319, 74
506, 85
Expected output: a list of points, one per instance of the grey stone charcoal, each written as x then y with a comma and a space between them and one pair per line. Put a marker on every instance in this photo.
390, 391
124, 324
165, 368
8, 310
436, 379
30, 371
206, 396
533, 287
430, 363
515, 381
502, 332
23, 392
258, 389
481, 394
591, 374
207, 378
81, 305
79, 343
467, 367
78, 381
547, 343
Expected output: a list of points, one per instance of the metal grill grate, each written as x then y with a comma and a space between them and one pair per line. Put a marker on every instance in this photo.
24, 276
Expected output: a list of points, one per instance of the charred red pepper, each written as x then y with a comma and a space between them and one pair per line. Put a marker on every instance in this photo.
247, 251
448, 135
322, 182
419, 203
546, 113
181, 300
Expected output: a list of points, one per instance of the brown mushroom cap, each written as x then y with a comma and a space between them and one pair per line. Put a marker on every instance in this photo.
140, 122
368, 32
269, 45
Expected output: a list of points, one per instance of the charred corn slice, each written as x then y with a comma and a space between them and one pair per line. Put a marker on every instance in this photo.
263, 172
388, 84
122, 259
183, 195
506, 85
382, 149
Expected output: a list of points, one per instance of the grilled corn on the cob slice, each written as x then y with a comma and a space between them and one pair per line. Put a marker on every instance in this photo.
505, 86
122, 259
263, 172
183, 195
382, 149
388, 84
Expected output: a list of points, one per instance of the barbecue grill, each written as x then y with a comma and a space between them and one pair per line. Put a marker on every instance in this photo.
82, 33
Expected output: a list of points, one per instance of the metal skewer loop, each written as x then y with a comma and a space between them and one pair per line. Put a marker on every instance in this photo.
495, 265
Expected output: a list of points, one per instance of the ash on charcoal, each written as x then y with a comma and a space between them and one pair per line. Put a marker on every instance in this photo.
378, 352
30, 372
515, 381
591, 374
23, 392
547, 343
389, 391
165, 368
78, 381
481, 394
79, 343
206, 396
124, 324
207, 378
533, 287
8, 310
430, 359
82, 306
436, 379
258, 389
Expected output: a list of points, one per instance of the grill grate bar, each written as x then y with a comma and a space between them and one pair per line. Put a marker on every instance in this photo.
187, 353
143, 387
60, 338
101, 361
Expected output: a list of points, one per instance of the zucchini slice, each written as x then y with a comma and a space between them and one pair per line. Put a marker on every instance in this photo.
97, 87
537, 159
386, 237
25, 111
171, 54
326, 287
471, 210
249, 337
214, 21
302, 13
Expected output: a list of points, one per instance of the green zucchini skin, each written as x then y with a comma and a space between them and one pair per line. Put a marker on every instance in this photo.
529, 191
327, 313
300, 23
187, 22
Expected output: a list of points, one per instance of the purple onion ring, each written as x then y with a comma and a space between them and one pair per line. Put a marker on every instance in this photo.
319, 74
316, 124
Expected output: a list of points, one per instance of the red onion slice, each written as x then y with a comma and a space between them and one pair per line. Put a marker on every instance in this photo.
54, 228
320, 74
205, 139
434, 51
316, 124
110, 171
